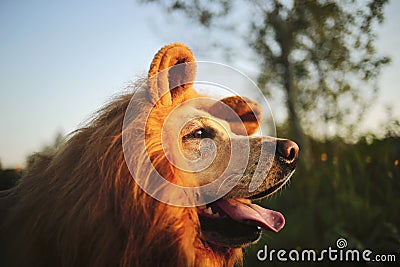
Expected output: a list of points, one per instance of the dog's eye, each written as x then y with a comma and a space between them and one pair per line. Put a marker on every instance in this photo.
200, 133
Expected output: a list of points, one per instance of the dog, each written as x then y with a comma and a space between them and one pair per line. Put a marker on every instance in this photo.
94, 201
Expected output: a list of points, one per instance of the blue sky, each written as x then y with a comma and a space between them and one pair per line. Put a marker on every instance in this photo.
62, 60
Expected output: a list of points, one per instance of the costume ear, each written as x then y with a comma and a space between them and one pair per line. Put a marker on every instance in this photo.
248, 114
172, 71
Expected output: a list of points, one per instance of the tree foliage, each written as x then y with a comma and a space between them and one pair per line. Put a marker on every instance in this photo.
322, 54
319, 54
205, 12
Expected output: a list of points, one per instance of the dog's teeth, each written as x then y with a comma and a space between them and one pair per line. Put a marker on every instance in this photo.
208, 211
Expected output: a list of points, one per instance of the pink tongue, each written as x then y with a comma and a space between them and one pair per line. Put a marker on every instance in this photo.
239, 211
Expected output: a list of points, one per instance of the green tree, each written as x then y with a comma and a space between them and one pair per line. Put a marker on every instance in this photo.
319, 54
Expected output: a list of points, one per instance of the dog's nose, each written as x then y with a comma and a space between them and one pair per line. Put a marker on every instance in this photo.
288, 150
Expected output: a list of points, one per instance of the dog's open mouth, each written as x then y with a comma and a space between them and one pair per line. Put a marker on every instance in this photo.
237, 222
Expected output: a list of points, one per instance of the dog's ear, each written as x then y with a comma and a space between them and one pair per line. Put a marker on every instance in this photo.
172, 71
248, 114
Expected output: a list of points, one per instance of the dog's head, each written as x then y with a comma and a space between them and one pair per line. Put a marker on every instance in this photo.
210, 142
